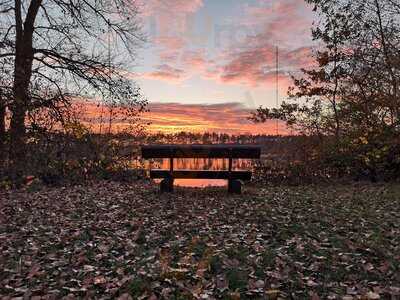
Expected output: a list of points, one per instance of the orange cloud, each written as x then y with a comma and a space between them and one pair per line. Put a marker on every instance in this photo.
231, 118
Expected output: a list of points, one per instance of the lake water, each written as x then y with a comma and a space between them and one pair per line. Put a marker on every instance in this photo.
200, 164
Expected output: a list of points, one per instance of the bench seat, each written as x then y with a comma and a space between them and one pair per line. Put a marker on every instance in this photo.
201, 174
201, 151
224, 151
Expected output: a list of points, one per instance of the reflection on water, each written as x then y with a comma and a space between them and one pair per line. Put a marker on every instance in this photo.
200, 183
200, 164
203, 164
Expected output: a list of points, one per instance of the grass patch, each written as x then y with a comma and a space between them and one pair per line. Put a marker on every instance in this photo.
237, 279
239, 253
216, 265
199, 248
138, 287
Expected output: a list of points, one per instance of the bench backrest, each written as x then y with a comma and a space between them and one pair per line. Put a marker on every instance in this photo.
201, 151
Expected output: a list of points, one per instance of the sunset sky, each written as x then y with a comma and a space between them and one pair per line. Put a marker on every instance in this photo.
208, 63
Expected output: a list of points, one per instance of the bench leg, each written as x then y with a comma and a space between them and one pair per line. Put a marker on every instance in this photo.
234, 186
167, 185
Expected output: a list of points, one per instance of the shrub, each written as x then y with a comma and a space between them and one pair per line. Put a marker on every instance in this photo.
79, 156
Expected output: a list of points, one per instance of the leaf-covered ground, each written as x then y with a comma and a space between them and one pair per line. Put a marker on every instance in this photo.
114, 240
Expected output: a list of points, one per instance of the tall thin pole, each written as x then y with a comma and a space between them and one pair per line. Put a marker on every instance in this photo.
277, 87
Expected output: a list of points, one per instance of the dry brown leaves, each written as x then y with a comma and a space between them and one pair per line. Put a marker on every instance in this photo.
110, 240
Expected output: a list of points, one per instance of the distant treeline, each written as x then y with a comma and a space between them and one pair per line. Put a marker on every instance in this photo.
208, 138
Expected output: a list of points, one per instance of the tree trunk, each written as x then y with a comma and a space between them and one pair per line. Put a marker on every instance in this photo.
22, 76
2, 132
17, 139
19, 108
389, 65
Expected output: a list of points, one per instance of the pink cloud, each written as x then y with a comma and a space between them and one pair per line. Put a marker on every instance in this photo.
257, 66
250, 61
282, 20
169, 16
166, 72
170, 23
156, 7
180, 67
170, 42
275, 9
169, 47
195, 60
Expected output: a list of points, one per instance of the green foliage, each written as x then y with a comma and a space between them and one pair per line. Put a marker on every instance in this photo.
239, 253
237, 279
141, 238
199, 248
137, 287
215, 264
268, 258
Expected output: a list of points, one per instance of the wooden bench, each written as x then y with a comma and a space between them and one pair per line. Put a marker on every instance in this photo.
201, 151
